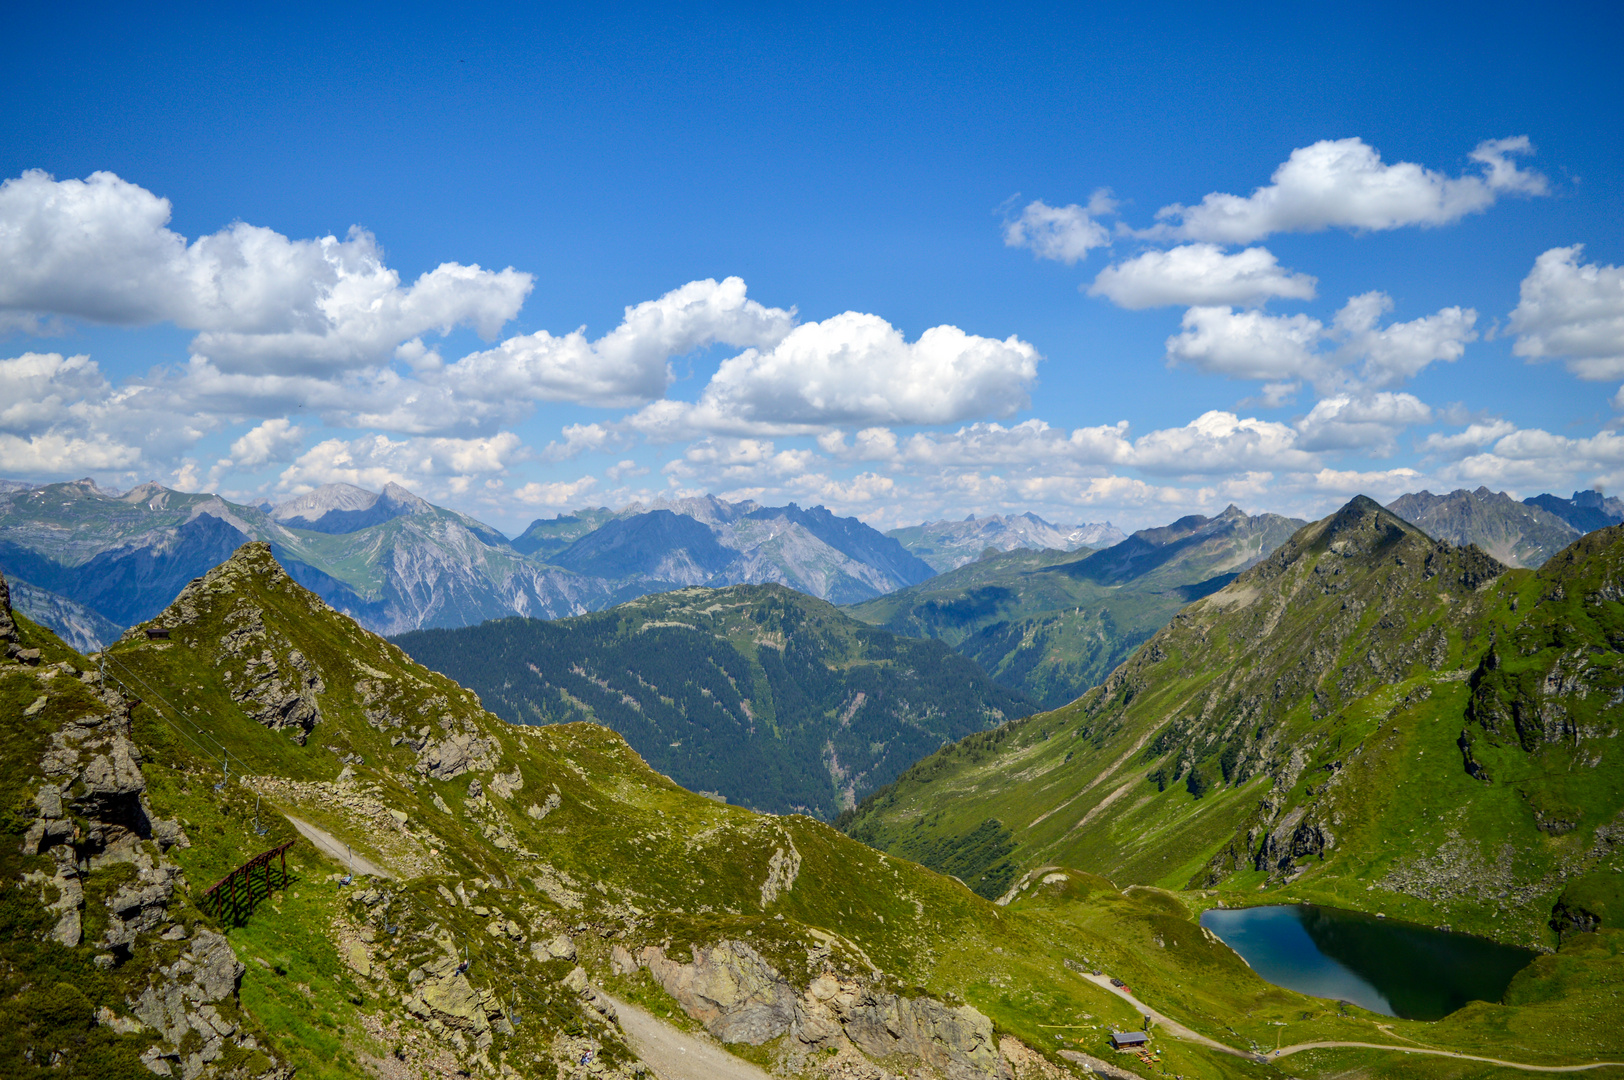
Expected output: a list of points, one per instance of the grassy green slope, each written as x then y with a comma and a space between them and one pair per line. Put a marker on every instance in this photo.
1052, 624
1309, 728
621, 853
621, 857
771, 697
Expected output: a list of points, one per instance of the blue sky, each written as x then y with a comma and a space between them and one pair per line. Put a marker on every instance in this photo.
1383, 292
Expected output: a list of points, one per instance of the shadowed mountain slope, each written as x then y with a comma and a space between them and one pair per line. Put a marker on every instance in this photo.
1051, 624
770, 697
1586, 511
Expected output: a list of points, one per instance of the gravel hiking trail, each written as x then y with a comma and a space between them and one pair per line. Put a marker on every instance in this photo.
336, 849
677, 1055
1179, 1031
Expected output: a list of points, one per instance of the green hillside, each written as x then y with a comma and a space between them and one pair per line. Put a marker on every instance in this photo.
1051, 624
512, 884
770, 697
1368, 719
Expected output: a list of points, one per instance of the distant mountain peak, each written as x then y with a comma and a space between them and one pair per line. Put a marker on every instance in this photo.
1515, 533
401, 497
313, 504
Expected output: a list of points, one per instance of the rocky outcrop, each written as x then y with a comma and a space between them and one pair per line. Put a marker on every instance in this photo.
89, 813
8, 625
182, 999
730, 989
281, 694
1293, 840
92, 771
453, 1007
739, 997
461, 752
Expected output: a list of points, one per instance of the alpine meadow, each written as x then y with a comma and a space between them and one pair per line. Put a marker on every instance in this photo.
761, 543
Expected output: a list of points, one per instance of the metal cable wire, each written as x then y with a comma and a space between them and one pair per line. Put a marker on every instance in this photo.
228, 755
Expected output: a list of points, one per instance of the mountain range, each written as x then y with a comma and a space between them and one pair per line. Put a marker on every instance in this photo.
1369, 718
1515, 533
1523, 534
774, 699
396, 562
1051, 624
433, 891
948, 545
1586, 511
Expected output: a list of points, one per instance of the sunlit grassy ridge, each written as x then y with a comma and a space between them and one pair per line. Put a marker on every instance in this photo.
572, 832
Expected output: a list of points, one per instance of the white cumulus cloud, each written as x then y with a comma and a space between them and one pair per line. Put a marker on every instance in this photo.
629, 365
100, 249
371, 461
1343, 183
273, 440
556, 493
1472, 437
1248, 344
1286, 348
1368, 422
853, 369
1062, 233
1573, 311
1391, 354
1199, 275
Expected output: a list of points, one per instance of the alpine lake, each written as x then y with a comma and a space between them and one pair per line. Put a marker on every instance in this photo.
1383, 965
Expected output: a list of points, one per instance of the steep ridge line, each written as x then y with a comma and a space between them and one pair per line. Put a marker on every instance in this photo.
1179, 1031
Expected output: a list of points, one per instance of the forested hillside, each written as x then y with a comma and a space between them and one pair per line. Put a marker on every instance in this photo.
772, 698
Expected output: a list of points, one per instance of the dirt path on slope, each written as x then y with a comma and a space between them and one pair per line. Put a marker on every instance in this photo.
336, 849
1284, 1050
677, 1055
1179, 1031
1167, 1023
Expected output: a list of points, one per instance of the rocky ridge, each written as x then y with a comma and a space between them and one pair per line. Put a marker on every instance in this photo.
508, 865
99, 859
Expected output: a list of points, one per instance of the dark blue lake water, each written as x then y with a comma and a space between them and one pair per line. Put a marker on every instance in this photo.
1386, 966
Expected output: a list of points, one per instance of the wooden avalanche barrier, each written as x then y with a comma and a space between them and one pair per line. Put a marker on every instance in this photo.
224, 891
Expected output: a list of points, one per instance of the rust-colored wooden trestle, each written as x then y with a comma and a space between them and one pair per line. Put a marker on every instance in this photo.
216, 896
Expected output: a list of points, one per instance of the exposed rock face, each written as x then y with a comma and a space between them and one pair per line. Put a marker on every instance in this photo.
273, 681
90, 811
451, 1004
456, 754
739, 997
94, 756
8, 626
207, 972
282, 696
730, 989
782, 869
1292, 840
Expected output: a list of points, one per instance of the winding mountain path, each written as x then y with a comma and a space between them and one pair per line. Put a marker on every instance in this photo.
1179, 1031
